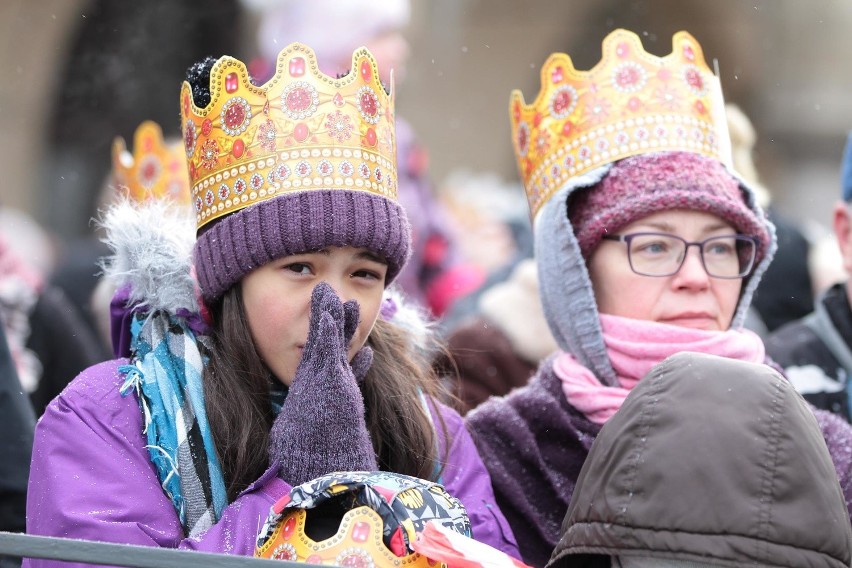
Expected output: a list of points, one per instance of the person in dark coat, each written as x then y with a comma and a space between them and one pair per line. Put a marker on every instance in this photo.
647, 243
46, 335
499, 347
786, 291
761, 491
16, 445
816, 350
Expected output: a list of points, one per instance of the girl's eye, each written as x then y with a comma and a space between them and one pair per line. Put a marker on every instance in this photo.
370, 274
298, 268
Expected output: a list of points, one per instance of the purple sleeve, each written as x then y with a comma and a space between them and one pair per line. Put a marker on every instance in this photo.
465, 477
91, 478
838, 438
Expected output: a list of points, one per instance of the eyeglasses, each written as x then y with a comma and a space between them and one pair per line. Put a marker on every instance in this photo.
662, 254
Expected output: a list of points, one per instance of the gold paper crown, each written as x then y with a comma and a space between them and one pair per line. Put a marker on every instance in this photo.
155, 169
358, 542
630, 103
299, 131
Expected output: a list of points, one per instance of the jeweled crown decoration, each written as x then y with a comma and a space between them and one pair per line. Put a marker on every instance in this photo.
299, 131
155, 170
630, 103
358, 542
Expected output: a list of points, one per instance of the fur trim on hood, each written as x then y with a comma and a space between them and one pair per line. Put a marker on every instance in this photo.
151, 247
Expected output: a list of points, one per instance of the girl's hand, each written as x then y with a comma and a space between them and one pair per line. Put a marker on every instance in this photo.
321, 426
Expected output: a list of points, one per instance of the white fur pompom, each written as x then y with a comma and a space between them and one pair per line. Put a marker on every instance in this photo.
151, 247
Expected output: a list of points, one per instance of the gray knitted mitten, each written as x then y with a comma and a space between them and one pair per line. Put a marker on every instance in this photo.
321, 426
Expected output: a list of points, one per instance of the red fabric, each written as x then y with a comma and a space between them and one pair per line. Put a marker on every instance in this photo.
453, 284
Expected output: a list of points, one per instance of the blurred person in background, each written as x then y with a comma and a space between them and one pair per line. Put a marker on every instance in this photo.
436, 276
16, 444
816, 351
497, 334
121, 66
48, 339
786, 291
152, 169
499, 344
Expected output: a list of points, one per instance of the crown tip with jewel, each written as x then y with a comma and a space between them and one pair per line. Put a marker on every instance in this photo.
299, 131
155, 170
629, 103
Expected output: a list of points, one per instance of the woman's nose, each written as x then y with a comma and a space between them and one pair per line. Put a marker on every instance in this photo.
692, 272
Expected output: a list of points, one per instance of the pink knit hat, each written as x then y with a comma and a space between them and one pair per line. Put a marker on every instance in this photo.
638, 186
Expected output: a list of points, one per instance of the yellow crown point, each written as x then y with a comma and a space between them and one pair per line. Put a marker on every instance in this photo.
301, 130
155, 169
629, 103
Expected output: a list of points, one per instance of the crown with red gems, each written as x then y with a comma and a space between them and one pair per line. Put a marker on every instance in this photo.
155, 169
301, 130
384, 514
630, 103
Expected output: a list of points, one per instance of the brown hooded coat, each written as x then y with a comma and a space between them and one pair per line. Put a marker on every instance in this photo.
709, 460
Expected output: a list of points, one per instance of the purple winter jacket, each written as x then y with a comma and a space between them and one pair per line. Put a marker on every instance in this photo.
91, 478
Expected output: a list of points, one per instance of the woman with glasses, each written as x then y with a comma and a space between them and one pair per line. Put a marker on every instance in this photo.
648, 246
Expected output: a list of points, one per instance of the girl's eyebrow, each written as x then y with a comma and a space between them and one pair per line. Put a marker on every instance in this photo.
368, 255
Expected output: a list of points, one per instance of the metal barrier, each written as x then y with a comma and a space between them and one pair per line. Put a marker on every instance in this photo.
132, 556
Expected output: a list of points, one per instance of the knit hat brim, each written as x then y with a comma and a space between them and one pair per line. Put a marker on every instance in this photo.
296, 223
642, 185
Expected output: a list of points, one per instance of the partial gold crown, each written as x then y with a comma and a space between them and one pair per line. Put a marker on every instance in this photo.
630, 103
358, 542
155, 170
301, 130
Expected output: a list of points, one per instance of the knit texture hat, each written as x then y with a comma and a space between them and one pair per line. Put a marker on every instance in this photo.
641, 185
846, 170
296, 223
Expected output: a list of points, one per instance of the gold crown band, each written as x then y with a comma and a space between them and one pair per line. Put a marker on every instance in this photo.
358, 541
299, 131
630, 103
155, 169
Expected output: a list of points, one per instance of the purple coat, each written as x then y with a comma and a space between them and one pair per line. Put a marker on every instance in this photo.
91, 478
535, 443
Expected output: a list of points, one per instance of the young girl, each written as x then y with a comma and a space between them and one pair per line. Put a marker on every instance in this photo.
291, 367
647, 245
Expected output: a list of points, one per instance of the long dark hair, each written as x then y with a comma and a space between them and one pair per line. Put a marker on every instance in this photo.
395, 390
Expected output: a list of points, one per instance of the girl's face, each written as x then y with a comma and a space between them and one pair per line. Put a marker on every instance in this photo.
689, 298
277, 299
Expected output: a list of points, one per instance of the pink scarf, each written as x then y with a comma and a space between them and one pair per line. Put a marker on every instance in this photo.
634, 347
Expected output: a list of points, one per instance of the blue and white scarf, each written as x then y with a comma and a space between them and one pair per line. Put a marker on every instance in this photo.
166, 373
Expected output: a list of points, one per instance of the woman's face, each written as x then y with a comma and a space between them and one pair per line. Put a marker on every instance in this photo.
689, 298
277, 299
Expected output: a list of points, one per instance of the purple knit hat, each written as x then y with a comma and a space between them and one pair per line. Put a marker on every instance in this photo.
295, 223
640, 185
303, 162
